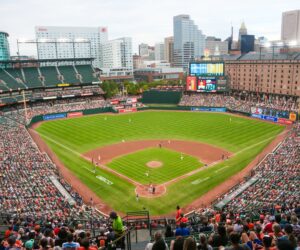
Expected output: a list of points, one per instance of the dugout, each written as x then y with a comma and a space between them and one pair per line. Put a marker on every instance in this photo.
161, 97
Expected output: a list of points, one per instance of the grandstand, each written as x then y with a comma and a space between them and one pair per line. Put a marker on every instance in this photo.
33, 192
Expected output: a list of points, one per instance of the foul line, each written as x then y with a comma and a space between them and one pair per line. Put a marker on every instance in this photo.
168, 182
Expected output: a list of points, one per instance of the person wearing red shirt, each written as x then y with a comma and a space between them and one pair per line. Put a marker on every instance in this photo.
178, 215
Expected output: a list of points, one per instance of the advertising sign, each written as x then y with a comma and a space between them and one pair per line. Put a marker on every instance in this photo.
74, 114
284, 121
191, 83
208, 109
54, 116
127, 110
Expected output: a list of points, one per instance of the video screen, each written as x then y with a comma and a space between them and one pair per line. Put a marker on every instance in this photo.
191, 83
206, 85
207, 69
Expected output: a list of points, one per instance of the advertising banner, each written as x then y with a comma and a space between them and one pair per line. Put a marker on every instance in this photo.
74, 114
208, 109
54, 116
114, 102
265, 117
284, 121
127, 110
191, 83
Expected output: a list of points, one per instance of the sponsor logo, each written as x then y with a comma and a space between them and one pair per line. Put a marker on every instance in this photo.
284, 121
54, 116
74, 114
208, 109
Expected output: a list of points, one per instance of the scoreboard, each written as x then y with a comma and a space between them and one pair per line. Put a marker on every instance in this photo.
206, 77
207, 69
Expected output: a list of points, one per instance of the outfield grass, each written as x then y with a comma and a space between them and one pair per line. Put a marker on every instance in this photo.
68, 138
134, 165
88, 132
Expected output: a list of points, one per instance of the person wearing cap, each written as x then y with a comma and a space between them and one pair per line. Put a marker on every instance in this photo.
117, 224
118, 229
29, 244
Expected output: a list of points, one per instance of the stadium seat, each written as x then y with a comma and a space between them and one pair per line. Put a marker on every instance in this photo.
50, 75
9, 77
86, 72
32, 77
69, 74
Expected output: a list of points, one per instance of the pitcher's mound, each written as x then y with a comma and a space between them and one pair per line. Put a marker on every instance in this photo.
154, 164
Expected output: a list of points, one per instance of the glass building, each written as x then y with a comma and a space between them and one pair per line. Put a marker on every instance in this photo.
4, 47
189, 42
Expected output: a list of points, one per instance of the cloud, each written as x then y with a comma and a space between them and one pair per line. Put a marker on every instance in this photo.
146, 21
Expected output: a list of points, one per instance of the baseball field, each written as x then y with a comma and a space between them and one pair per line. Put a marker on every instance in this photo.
182, 154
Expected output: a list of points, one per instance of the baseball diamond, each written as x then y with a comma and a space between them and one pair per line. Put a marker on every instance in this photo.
116, 148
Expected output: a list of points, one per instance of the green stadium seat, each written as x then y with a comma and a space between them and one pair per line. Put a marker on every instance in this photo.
69, 74
86, 71
32, 78
10, 78
50, 75
3, 87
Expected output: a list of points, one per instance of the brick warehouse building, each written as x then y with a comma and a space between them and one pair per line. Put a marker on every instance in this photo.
271, 74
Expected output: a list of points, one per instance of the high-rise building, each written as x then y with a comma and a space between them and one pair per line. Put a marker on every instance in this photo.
189, 42
117, 54
290, 26
169, 49
143, 50
71, 42
214, 45
159, 50
147, 52
247, 43
4, 47
242, 30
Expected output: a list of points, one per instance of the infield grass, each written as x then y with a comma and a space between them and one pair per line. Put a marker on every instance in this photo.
134, 165
71, 137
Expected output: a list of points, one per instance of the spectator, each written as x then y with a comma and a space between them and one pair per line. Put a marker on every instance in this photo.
235, 241
70, 244
182, 230
189, 244
203, 245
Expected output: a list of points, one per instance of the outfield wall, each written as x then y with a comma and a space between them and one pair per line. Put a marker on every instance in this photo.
78, 113
71, 114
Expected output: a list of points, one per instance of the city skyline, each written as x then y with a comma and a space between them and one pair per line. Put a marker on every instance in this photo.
155, 21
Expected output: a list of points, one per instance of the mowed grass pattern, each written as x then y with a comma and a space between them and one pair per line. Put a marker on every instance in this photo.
245, 137
89, 132
134, 165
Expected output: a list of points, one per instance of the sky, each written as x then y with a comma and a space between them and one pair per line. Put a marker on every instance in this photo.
146, 21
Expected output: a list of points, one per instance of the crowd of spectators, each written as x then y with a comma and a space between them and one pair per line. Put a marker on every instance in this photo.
211, 229
238, 103
56, 106
25, 185
42, 214
278, 183
69, 91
